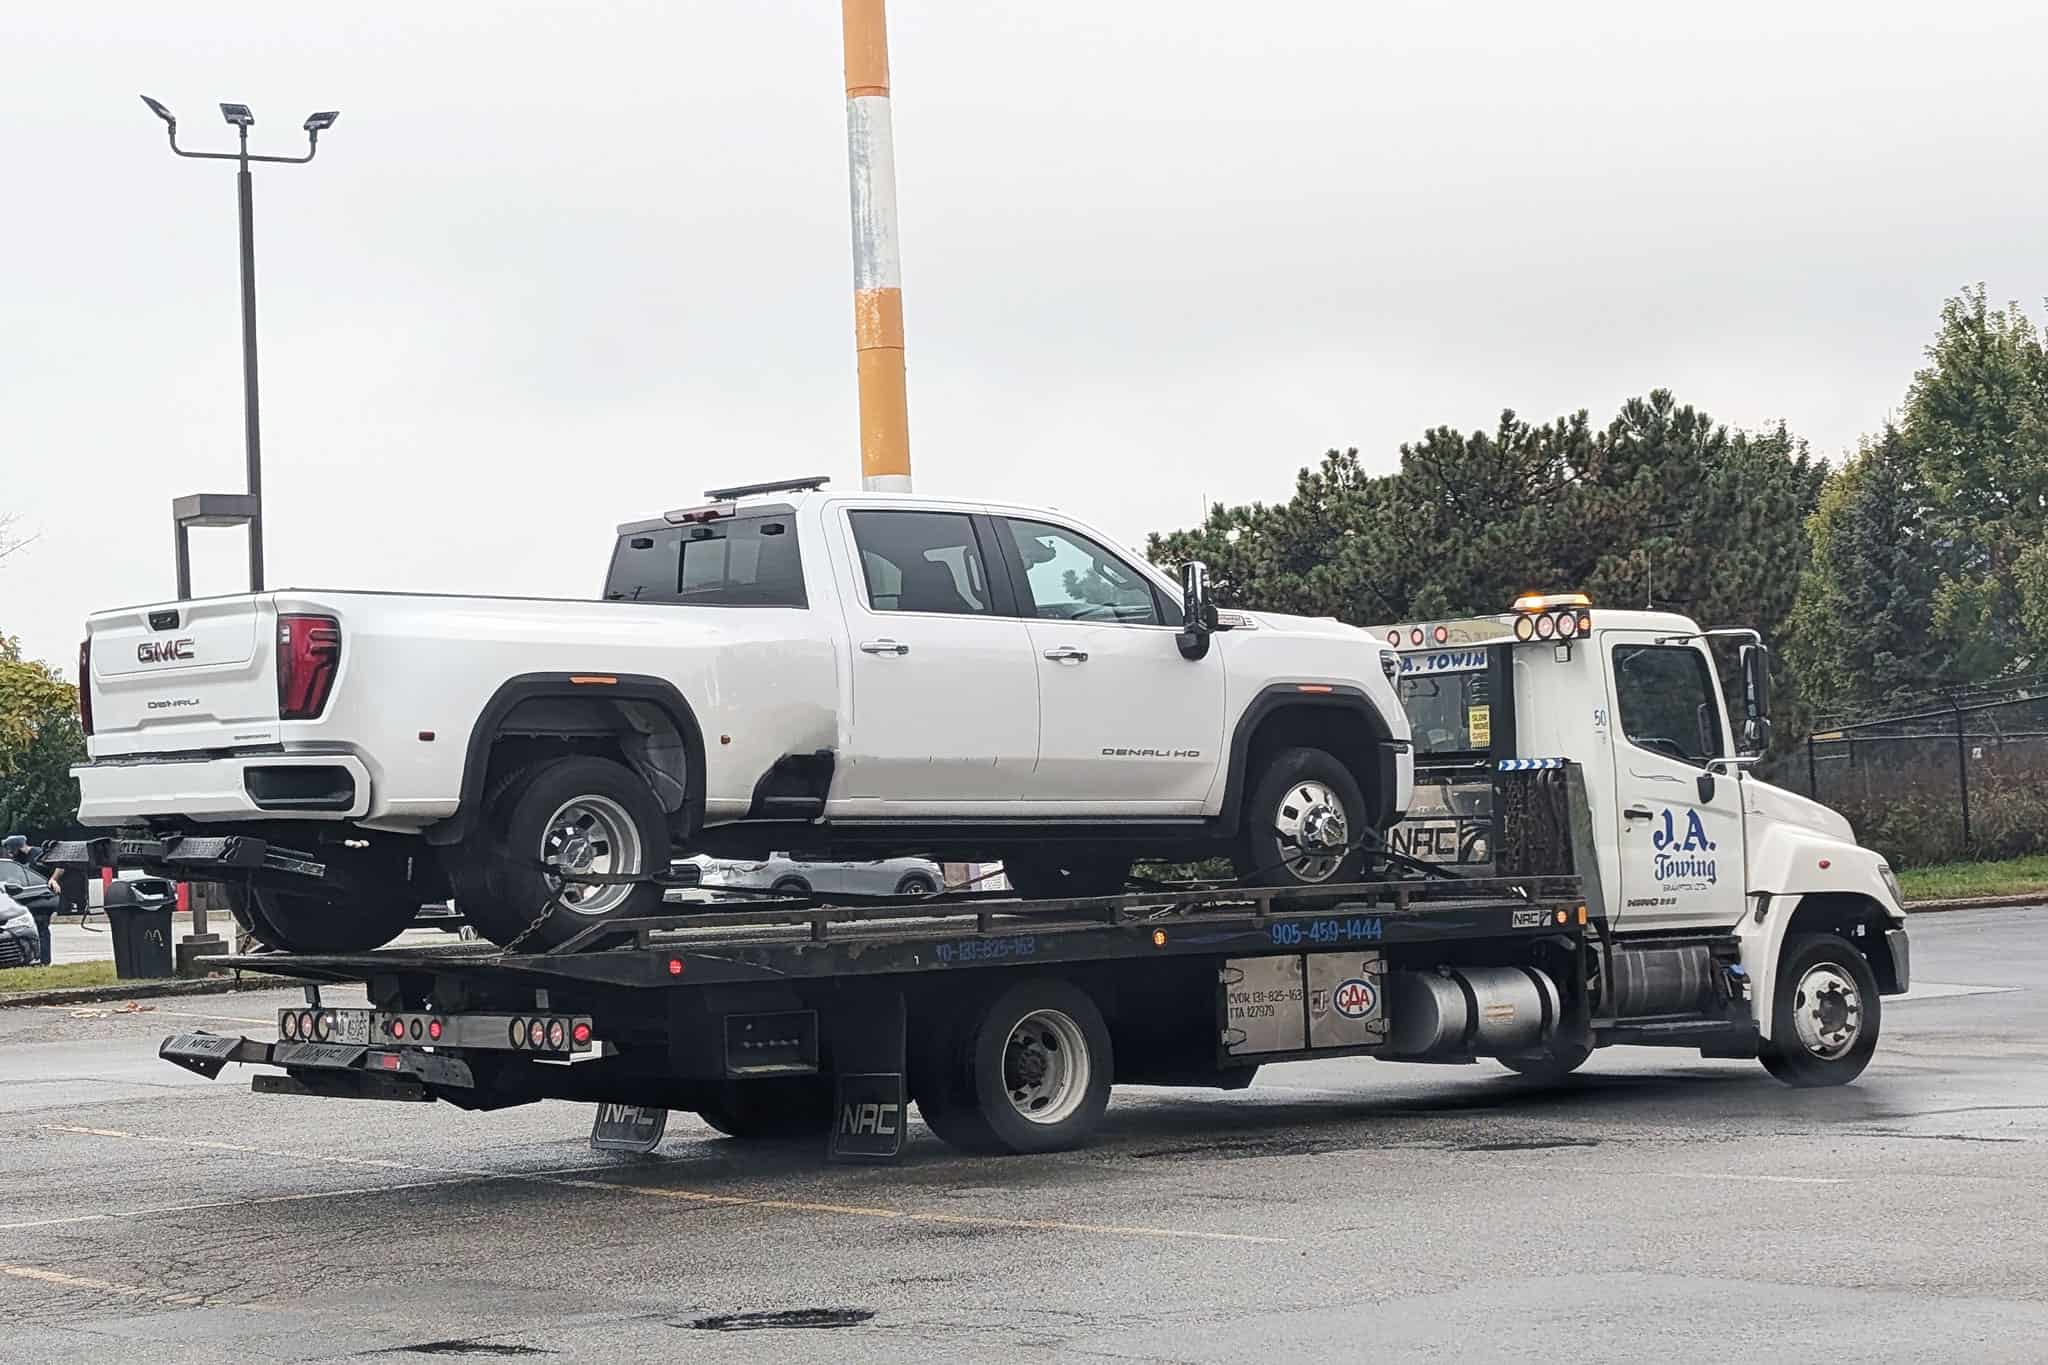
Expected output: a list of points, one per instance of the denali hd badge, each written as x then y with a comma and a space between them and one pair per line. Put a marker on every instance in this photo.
163, 651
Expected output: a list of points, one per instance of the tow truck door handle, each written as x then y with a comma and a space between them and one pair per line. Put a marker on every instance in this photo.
883, 647
1067, 654
1636, 813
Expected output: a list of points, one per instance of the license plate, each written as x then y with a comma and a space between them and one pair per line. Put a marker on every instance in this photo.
350, 1026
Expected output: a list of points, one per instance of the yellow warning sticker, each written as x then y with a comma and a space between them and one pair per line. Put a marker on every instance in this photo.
1479, 720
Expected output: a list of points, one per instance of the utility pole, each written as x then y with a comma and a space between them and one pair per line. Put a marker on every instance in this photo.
877, 263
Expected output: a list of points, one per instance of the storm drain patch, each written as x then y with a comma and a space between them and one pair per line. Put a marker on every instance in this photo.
787, 1317
469, 1347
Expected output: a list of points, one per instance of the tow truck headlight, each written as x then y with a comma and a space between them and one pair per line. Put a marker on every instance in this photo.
1891, 883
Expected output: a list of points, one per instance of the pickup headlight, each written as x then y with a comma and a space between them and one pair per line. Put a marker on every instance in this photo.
1891, 883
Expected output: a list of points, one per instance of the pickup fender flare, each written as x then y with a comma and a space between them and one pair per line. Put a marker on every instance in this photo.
1278, 696
658, 692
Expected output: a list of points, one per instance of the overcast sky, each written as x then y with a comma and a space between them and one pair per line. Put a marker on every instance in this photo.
562, 266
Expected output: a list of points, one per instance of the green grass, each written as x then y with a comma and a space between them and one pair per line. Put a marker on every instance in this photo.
63, 975
1955, 880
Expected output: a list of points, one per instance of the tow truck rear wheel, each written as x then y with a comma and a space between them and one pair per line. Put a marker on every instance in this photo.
1824, 1022
295, 923
771, 1108
1029, 1072
580, 815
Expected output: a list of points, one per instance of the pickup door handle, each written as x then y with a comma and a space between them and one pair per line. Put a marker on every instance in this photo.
1067, 654
1636, 813
884, 647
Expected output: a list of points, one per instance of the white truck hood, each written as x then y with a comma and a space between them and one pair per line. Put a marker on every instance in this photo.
1789, 808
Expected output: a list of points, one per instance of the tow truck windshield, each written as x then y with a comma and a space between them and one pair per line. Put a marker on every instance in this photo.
1448, 712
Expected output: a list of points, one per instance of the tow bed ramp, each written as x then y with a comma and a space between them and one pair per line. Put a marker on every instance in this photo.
781, 991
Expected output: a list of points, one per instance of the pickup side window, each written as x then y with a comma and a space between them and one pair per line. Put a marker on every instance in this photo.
1068, 577
751, 562
921, 561
1665, 698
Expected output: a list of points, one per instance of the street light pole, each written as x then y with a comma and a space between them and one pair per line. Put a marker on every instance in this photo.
251, 512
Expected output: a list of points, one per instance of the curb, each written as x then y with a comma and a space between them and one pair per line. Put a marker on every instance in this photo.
145, 990
2038, 899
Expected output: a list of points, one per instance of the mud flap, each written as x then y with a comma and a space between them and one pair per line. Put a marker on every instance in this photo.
871, 1098
628, 1128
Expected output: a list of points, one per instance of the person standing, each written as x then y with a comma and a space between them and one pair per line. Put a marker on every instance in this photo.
70, 884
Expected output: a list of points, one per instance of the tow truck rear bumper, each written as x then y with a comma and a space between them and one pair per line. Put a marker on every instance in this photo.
184, 856
334, 1070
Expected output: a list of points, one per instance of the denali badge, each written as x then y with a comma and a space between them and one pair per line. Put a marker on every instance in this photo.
163, 651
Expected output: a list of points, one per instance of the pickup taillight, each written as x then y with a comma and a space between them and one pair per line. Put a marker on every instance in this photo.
85, 684
308, 653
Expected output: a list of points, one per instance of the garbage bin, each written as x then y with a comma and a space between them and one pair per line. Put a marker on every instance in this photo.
142, 936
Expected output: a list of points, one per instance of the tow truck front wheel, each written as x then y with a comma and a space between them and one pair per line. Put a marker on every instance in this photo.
1824, 1022
1030, 1072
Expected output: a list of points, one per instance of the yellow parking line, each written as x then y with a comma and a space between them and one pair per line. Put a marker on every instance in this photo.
559, 1177
126, 1291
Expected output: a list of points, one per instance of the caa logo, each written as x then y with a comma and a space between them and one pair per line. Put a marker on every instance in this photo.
163, 651
1354, 998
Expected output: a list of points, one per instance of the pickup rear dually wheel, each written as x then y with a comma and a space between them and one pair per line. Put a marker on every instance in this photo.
1305, 825
1030, 1072
295, 923
579, 816
1824, 1022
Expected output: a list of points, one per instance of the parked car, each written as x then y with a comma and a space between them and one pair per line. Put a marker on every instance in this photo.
780, 872
20, 946
30, 887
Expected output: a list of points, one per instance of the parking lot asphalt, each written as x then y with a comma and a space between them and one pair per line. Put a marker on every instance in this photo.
1658, 1206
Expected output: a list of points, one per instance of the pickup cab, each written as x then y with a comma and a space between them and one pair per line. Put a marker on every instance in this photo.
781, 668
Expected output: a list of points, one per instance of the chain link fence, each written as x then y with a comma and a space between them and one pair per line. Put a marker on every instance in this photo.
1949, 777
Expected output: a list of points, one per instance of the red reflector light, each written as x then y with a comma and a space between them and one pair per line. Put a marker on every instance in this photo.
308, 653
537, 1033
1441, 634
1415, 636
558, 1036
388, 1060
1394, 638
85, 685
675, 966
581, 1033
433, 1028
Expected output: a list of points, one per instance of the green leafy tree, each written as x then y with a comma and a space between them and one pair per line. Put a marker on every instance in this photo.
40, 739
1976, 418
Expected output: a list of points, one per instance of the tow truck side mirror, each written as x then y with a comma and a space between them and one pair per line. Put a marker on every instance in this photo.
1198, 617
1756, 698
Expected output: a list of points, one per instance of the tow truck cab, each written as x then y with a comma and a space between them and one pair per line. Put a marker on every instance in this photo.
1691, 846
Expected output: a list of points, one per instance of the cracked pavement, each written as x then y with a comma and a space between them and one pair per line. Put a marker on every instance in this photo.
1659, 1205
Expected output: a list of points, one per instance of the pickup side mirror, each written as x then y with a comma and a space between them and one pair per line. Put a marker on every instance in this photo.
1756, 698
1198, 617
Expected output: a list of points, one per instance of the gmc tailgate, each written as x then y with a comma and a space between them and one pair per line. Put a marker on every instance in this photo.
183, 676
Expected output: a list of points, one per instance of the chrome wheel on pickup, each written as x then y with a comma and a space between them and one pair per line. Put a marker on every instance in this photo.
1305, 824
560, 821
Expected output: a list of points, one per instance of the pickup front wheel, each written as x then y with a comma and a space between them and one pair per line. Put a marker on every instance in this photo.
1305, 825
570, 843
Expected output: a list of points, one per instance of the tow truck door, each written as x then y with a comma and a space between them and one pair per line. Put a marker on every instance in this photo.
1678, 827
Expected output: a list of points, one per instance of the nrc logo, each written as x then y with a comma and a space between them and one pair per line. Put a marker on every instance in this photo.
163, 651
881, 1120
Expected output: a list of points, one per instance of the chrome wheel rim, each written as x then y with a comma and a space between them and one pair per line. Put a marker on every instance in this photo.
1046, 1068
1313, 830
591, 835
1827, 1011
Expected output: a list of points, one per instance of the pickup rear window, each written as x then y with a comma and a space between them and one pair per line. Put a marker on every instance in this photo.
743, 562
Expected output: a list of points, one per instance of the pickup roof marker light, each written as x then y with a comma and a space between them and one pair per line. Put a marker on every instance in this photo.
1314, 687
593, 680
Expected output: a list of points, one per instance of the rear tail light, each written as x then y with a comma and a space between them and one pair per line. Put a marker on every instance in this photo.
85, 684
308, 653
434, 1029
580, 1034
558, 1036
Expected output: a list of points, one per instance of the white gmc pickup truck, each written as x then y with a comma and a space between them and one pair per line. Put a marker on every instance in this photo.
781, 668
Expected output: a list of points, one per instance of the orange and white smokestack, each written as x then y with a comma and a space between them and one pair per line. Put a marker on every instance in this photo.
877, 265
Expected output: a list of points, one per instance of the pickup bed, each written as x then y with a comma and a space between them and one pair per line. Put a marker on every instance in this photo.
782, 668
